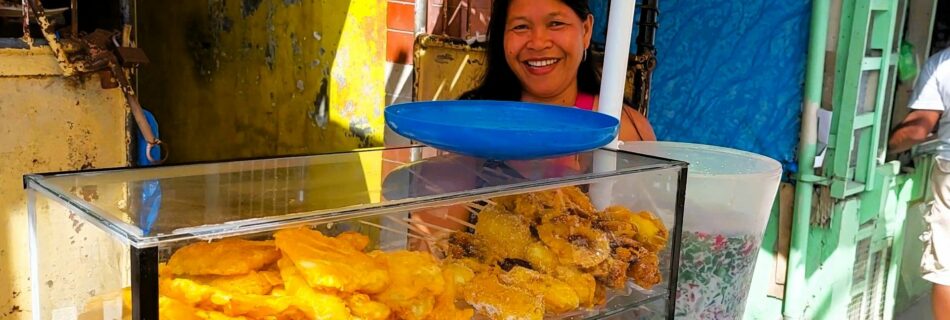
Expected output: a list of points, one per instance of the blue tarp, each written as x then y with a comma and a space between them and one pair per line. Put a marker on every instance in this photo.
729, 73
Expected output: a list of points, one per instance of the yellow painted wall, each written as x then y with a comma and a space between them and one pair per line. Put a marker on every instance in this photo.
252, 78
47, 123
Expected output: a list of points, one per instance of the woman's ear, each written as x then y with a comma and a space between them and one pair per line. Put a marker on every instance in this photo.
588, 30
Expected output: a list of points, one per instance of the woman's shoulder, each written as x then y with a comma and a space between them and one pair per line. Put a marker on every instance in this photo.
634, 126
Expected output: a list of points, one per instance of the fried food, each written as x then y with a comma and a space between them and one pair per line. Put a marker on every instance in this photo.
207, 297
541, 257
575, 242
171, 309
364, 308
611, 273
641, 226
491, 298
502, 235
456, 275
251, 283
584, 284
578, 201
331, 263
460, 245
415, 281
558, 296
315, 304
226, 257
645, 272
357, 241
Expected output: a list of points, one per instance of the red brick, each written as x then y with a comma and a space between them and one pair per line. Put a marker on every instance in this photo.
399, 47
400, 16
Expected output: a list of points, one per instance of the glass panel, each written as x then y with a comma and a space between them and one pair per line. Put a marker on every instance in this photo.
550, 230
77, 270
181, 202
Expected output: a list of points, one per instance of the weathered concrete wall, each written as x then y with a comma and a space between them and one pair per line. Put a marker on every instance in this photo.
258, 78
47, 123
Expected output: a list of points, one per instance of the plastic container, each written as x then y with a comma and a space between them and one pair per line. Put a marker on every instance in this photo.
729, 197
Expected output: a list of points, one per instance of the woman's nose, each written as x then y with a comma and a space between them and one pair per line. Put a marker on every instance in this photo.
540, 39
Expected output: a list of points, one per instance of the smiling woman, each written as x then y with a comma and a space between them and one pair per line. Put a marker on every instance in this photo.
538, 52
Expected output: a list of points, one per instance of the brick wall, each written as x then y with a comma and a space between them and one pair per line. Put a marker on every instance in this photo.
400, 30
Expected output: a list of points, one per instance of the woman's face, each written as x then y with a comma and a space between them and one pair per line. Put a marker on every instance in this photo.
544, 45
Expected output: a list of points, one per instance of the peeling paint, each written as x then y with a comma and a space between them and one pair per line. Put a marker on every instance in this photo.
248, 7
295, 44
319, 114
362, 130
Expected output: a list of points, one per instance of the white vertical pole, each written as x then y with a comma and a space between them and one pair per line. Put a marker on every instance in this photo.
619, 31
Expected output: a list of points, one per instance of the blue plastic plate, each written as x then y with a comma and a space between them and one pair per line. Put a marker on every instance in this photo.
502, 130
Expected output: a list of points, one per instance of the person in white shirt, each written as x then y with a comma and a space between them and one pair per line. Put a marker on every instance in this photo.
928, 106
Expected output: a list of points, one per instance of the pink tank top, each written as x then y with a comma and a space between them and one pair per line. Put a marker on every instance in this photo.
584, 101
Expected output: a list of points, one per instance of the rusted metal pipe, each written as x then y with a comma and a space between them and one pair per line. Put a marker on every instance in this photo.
74, 9
26, 24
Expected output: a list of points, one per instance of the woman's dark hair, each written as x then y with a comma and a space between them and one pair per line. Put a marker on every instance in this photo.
499, 82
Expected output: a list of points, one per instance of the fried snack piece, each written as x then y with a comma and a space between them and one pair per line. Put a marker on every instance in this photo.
456, 275
496, 300
415, 281
252, 283
331, 263
574, 241
459, 245
356, 240
646, 271
578, 200
558, 296
641, 226
206, 297
315, 304
226, 257
272, 276
364, 308
584, 284
541, 257
502, 235
611, 273
171, 309
540, 207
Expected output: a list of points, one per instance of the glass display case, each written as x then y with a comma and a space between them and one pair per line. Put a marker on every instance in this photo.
398, 233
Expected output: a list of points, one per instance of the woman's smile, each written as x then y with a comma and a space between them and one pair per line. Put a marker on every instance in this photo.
540, 67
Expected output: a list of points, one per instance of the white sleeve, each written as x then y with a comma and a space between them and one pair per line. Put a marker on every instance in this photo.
927, 91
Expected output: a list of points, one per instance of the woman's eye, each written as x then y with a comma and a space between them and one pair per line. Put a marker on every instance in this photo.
554, 24
520, 27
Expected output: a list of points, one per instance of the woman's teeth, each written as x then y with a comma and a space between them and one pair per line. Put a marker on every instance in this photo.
541, 63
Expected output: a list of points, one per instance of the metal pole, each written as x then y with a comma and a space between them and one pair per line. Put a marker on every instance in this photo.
74, 7
616, 54
421, 16
796, 288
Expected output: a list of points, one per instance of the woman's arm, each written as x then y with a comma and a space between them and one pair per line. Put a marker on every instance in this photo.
635, 127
